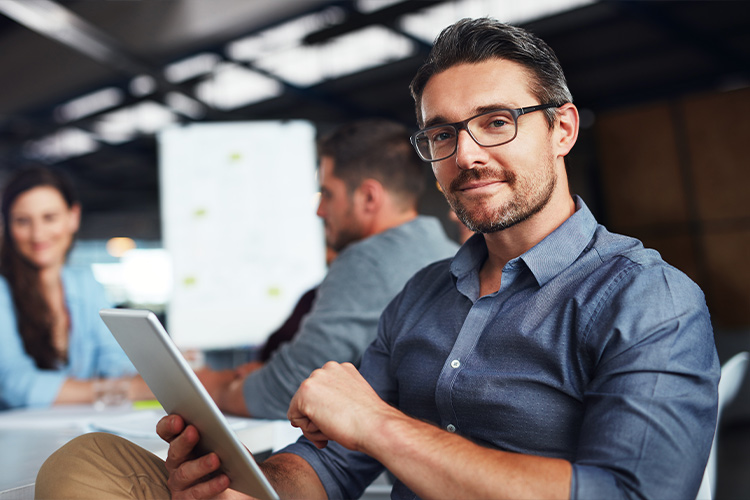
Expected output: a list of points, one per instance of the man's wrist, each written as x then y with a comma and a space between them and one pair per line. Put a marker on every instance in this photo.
388, 431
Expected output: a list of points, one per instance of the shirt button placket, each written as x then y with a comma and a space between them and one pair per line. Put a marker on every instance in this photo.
450, 427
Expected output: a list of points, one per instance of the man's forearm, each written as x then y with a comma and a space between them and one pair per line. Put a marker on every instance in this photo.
337, 404
292, 477
225, 388
231, 398
437, 464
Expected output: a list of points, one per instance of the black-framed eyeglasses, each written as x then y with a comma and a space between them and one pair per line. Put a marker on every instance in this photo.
489, 129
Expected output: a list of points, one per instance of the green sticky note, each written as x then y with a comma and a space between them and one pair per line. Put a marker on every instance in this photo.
147, 404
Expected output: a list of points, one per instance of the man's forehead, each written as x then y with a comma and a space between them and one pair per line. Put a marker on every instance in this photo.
325, 168
469, 88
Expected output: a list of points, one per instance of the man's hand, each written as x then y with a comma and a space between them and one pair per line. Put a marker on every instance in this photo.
225, 387
336, 403
216, 381
191, 477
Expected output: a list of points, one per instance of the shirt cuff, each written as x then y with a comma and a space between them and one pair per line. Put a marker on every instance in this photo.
592, 482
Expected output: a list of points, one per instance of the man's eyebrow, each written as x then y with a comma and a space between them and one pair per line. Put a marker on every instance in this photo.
441, 120
435, 120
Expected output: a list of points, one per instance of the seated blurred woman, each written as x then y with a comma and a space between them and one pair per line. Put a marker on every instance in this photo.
52, 341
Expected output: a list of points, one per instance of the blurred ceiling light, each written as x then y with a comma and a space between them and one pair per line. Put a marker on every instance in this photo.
40, 16
89, 104
52, 20
284, 36
65, 143
366, 48
429, 22
185, 105
368, 6
233, 86
146, 117
193, 66
117, 247
142, 85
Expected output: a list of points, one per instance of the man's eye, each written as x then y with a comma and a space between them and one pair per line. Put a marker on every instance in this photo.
498, 123
442, 135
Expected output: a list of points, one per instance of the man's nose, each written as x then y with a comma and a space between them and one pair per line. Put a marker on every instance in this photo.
320, 212
469, 154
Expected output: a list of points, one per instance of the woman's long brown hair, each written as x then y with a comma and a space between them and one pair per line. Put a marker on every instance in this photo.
33, 313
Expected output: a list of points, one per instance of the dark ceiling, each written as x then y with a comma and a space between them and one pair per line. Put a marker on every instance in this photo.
614, 54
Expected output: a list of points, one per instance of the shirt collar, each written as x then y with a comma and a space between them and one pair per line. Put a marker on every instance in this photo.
470, 256
561, 247
547, 258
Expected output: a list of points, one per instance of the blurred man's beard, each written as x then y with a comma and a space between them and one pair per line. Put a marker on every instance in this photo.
347, 235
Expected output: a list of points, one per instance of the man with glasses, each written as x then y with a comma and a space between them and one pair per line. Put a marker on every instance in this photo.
548, 359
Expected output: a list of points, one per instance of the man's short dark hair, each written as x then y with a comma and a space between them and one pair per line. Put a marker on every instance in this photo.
375, 149
470, 41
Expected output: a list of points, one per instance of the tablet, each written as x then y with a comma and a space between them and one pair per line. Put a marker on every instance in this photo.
179, 391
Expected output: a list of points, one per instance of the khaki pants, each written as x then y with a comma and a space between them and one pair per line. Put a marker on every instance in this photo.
98, 466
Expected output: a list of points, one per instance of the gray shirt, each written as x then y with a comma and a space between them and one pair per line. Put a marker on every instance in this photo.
343, 320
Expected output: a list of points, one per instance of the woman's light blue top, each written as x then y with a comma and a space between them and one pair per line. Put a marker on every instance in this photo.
92, 350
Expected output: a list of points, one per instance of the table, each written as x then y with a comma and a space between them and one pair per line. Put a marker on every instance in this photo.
29, 436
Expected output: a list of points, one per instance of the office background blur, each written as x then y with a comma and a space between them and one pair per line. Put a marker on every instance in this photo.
663, 89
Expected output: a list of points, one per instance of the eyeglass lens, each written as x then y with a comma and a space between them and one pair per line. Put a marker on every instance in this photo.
489, 129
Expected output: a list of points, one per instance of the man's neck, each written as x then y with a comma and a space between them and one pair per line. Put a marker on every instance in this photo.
505, 245
392, 219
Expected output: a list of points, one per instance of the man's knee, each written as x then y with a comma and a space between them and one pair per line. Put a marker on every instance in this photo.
99, 465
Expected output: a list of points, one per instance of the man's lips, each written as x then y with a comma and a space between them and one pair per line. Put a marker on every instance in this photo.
479, 184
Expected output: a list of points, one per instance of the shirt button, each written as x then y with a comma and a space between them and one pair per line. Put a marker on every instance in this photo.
450, 428
455, 363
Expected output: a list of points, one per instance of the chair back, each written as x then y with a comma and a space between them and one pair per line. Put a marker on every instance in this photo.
732, 375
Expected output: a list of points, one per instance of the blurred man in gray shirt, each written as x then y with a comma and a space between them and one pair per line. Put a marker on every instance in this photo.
370, 182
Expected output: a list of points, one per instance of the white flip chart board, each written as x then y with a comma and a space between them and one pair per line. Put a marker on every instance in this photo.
238, 203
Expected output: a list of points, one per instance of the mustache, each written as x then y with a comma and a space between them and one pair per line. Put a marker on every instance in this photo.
481, 174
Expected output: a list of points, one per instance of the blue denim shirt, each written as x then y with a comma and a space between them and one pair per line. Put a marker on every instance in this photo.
594, 350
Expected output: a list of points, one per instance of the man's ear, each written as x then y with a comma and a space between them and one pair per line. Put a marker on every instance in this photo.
370, 196
566, 129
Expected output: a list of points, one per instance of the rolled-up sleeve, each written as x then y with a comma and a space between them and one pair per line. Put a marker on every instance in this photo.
345, 473
651, 405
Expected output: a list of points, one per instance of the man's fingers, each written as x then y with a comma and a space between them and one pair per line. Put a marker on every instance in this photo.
320, 444
303, 423
208, 489
181, 447
189, 473
170, 427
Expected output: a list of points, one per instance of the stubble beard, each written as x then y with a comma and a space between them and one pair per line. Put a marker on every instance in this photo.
348, 233
530, 196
